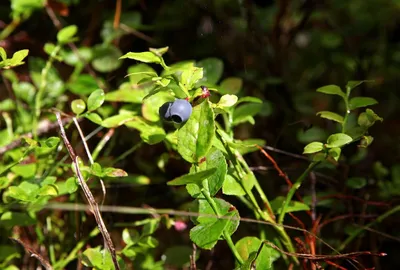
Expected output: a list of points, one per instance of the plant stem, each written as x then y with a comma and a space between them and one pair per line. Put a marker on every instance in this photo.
293, 189
9, 28
51, 246
225, 233
42, 88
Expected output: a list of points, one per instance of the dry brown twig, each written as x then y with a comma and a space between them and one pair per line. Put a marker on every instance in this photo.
34, 254
94, 208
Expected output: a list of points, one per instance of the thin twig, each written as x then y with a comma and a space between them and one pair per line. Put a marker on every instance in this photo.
34, 254
94, 208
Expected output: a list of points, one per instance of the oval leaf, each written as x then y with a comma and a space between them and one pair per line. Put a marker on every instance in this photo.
331, 116
359, 102
194, 178
145, 57
196, 136
313, 147
95, 100
331, 90
338, 140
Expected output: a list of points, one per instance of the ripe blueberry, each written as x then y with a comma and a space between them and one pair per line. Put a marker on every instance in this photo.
165, 111
178, 111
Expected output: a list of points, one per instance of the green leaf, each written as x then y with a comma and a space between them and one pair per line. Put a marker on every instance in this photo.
94, 117
11, 219
25, 170
95, 100
145, 57
353, 84
3, 54
130, 236
250, 245
356, 182
368, 118
227, 101
313, 147
232, 186
212, 70
193, 178
214, 159
358, 102
338, 140
117, 120
78, 106
159, 51
66, 34
150, 133
18, 57
294, 206
114, 172
331, 116
231, 85
196, 136
105, 58
206, 235
243, 112
48, 190
335, 153
331, 90
126, 95
191, 76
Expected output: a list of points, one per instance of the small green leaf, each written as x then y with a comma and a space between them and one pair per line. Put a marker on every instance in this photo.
116, 120
94, 117
126, 95
150, 133
335, 153
66, 34
207, 235
191, 76
356, 182
145, 57
358, 102
368, 118
250, 245
331, 90
331, 116
338, 140
159, 51
130, 236
227, 101
232, 186
48, 190
313, 147
245, 112
194, 178
214, 159
78, 106
16, 59
353, 84
231, 85
196, 136
114, 172
3, 54
25, 170
95, 100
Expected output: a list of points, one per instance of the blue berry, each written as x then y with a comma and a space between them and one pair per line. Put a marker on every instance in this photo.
178, 111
